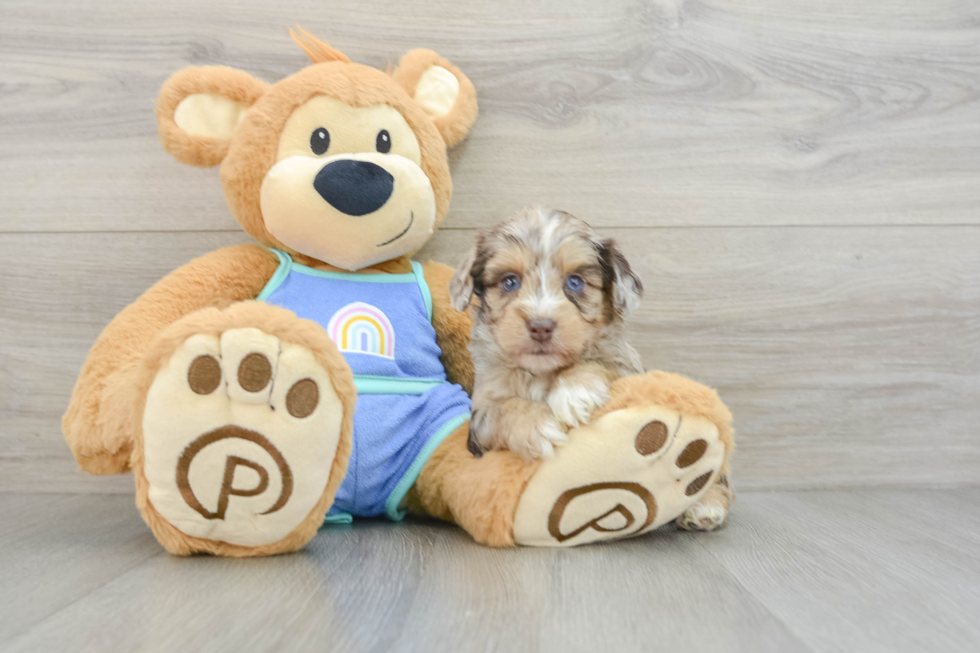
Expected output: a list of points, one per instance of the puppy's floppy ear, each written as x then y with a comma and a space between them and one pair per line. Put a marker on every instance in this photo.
445, 93
624, 284
461, 285
199, 108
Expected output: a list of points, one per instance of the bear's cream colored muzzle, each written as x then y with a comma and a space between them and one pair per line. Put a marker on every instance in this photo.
301, 210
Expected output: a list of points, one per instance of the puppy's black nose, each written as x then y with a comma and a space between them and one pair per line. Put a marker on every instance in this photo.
541, 328
354, 187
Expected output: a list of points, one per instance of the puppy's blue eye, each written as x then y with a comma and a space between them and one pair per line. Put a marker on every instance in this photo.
510, 283
575, 283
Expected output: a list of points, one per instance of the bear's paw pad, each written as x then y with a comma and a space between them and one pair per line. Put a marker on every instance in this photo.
624, 474
239, 435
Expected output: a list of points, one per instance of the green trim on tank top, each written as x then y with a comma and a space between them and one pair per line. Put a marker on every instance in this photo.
393, 507
390, 385
338, 518
423, 286
286, 265
393, 503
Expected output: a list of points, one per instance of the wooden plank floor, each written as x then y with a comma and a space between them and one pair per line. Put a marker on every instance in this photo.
834, 571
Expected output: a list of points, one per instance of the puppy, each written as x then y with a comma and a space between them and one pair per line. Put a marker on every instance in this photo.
547, 296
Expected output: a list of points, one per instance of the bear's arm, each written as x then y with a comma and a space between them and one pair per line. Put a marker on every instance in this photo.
97, 422
452, 327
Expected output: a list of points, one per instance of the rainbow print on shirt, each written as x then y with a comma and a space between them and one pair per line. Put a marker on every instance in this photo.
363, 329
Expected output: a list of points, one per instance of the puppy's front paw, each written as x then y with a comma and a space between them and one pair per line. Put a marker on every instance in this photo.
574, 399
540, 440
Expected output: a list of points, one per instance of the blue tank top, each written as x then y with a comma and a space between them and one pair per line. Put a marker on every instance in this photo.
382, 325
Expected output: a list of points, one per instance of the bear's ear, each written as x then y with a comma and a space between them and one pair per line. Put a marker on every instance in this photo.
445, 93
199, 108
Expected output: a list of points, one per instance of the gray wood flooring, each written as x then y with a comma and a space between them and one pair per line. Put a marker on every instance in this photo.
834, 571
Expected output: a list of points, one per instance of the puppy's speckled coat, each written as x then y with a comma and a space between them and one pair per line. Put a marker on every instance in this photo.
548, 299
548, 296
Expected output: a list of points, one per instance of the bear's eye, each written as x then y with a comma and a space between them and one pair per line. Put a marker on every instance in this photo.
383, 142
319, 141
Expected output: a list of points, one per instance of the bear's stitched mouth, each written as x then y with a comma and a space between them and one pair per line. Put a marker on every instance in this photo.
411, 220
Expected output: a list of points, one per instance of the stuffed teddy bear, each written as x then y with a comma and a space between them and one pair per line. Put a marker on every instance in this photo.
264, 388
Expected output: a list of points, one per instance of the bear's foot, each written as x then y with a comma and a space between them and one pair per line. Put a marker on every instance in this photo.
240, 432
626, 473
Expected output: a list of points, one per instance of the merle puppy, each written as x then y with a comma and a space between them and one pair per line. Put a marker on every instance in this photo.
547, 296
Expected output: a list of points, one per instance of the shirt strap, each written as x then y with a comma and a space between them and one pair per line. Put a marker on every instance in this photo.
423, 286
285, 265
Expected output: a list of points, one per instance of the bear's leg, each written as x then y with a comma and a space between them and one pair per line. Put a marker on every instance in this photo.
245, 431
655, 450
479, 494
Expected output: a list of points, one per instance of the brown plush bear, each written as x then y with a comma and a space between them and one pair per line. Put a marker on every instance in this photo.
237, 416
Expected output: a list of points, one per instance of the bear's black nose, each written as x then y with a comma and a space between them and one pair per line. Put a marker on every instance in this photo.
354, 187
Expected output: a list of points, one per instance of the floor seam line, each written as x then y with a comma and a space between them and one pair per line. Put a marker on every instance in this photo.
233, 230
87, 594
758, 600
